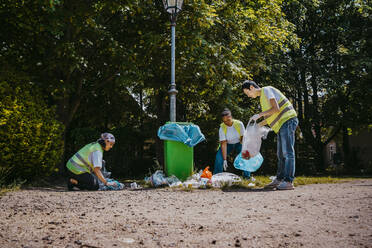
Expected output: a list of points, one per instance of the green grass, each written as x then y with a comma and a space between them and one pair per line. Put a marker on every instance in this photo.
5, 186
16, 185
261, 181
321, 180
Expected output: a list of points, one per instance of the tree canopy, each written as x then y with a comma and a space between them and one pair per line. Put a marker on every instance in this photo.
105, 66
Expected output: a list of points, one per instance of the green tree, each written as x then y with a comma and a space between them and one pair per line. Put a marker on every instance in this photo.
106, 65
328, 75
30, 143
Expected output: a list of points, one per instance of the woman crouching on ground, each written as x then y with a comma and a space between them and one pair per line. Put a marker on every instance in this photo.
88, 160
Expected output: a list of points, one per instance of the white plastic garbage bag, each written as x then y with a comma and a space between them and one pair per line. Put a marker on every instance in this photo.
223, 178
252, 139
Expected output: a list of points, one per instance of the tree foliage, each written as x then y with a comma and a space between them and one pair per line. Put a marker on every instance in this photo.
105, 65
31, 139
327, 76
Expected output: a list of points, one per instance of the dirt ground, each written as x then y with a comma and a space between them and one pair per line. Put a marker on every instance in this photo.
327, 215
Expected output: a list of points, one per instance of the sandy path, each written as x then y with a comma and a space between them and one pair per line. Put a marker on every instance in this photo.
328, 215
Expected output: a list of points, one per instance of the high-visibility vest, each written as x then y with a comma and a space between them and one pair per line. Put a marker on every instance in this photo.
286, 110
79, 163
236, 125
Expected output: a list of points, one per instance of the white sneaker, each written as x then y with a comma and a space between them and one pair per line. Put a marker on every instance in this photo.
273, 184
285, 186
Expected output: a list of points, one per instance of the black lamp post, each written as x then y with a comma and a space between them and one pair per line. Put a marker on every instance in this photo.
173, 7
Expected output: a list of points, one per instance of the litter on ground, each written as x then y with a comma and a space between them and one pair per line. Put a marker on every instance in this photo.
197, 180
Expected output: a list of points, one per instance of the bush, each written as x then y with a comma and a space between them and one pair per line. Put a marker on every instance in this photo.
31, 141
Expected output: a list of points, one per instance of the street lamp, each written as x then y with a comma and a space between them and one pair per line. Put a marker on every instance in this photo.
173, 7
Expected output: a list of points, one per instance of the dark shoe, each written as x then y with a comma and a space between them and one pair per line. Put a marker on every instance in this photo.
70, 186
273, 185
285, 186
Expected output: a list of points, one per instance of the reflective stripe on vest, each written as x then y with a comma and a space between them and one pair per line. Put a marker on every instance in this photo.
286, 110
75, 167
78, 156
79, 163
236, 125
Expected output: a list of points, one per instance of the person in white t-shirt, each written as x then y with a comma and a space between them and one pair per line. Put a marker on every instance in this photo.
230, 136
279, 113
84, 167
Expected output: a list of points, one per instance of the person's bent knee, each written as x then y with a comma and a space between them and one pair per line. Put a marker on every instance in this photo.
93, 187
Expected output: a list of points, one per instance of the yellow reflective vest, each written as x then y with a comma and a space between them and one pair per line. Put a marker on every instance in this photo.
236, 125
286, 110
79, 163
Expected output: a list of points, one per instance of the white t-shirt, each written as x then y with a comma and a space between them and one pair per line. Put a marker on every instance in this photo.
271, 93
232, 136
96, 159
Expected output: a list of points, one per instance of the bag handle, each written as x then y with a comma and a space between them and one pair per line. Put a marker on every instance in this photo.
249, 122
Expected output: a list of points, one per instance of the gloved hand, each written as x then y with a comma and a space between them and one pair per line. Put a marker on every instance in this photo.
255, 117
225, 165
111, 183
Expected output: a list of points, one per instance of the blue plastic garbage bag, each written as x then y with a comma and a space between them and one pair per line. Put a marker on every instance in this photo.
189, 134
158, 179
117, 185
250, 165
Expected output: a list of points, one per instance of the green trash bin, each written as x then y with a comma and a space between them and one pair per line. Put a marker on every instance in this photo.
178, 157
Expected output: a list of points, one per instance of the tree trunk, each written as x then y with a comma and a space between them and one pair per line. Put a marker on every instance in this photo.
318, 145
345, 147
300, 113
66, 109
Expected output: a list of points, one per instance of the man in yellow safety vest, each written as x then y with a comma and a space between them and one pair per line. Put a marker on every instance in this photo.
230, 136
280, 115
88, 160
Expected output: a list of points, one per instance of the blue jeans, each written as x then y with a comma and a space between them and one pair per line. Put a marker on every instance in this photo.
285, 150
218, 164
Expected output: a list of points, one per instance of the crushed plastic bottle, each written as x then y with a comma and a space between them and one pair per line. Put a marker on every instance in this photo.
134, 185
